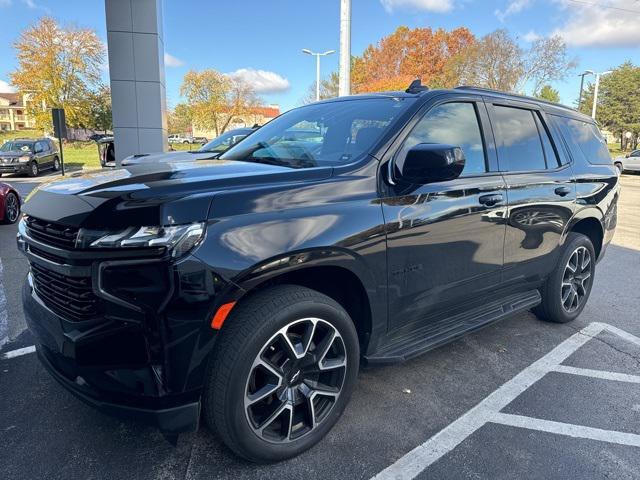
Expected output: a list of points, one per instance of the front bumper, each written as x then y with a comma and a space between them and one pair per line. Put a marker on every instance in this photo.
181, 418
14, 168
145, 361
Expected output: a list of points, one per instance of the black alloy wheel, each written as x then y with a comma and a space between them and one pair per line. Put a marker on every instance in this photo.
282, 372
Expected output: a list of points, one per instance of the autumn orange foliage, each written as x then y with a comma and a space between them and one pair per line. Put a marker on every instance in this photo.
408, 54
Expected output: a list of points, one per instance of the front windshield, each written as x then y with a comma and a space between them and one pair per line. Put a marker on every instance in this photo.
322, 134
224, 142
17, 147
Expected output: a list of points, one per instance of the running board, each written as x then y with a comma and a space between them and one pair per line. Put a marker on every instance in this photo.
408, 344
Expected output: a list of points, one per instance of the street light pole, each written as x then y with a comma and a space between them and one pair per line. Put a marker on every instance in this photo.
595, 93
317, 55
582, 75
344, 86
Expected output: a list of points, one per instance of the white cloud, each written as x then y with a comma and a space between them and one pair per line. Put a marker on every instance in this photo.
34, 6
514, 6
428, 5
262, 81
596, 26
171, 61
531, 36
6, 88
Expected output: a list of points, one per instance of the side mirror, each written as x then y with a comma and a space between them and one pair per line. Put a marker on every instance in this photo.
628, 155
431, 162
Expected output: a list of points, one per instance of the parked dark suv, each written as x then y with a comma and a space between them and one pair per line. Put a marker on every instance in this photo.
28, 155
247, 290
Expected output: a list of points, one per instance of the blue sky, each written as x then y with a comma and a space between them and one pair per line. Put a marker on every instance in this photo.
263, 38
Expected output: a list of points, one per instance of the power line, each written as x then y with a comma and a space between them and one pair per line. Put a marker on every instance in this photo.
611, 7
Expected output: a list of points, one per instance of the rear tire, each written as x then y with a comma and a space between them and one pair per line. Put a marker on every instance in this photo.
309, 378
56, 164
567, 290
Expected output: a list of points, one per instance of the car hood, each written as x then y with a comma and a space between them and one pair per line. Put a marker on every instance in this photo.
165, 157
14, 154
153, 194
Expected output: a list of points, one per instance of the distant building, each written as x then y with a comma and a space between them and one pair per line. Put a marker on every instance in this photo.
13, 112
259, 116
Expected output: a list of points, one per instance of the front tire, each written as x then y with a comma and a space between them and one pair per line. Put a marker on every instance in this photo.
56, 164
566, 291
282, 373
11, 208
34, 170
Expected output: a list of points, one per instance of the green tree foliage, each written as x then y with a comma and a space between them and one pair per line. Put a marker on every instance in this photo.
549, 93
618, 103
100, 117
179, 119
328, 89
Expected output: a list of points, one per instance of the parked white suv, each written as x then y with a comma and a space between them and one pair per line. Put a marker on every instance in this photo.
629, 163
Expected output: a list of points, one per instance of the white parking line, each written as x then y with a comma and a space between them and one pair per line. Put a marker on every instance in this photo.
421, 457
602, 374
18, 352
568, 429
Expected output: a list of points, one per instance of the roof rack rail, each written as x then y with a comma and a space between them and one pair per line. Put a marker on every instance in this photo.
417, 87
482, 89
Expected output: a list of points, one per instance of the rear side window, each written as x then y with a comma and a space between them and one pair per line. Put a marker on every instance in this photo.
519, 142
584, 140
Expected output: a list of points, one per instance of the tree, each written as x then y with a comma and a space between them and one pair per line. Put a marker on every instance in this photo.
58, 66
179, 119
215, 99
498, 62
549, 93
328, 89
100, 117
408, 54
618, 103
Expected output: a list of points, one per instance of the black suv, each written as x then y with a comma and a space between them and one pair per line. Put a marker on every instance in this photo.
28, 155
248, 290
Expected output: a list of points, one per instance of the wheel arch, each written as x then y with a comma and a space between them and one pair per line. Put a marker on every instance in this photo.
335, 273
591, 227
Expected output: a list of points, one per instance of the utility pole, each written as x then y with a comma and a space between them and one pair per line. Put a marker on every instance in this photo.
595, 93
317, 55
344, 87
582, 75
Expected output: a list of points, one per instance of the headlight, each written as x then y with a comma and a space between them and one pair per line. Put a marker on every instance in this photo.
179, 239
24, 158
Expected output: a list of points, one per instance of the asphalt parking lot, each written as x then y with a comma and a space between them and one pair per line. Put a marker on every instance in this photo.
519, 399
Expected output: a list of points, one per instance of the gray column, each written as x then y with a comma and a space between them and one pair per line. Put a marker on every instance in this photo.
136, 70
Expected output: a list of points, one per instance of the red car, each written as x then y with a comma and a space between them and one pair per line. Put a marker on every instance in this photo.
9, 204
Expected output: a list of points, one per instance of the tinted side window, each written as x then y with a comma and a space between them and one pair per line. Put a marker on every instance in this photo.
550, 152
452, 124
519, 143
584, 140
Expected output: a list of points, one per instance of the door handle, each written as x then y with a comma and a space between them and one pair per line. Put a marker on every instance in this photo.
490, 200
563, 191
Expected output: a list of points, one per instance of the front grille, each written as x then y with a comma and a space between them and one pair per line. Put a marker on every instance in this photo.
69, 297
52, 234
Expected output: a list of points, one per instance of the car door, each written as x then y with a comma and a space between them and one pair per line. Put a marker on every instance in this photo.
41, 154
541, 191
445, 239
